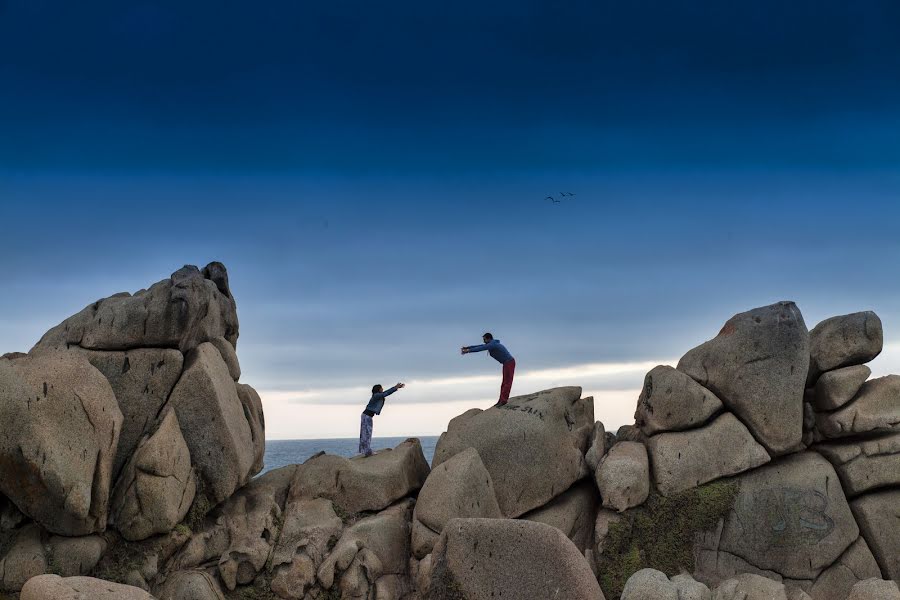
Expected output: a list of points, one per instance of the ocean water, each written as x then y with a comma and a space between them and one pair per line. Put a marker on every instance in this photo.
287, 452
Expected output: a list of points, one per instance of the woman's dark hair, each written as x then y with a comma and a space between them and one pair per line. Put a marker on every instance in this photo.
377, 388
488, 336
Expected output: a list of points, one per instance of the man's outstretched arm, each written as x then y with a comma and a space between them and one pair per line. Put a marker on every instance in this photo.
479, 347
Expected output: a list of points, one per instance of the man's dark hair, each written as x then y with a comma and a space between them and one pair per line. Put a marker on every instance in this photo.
377, 388
488, 336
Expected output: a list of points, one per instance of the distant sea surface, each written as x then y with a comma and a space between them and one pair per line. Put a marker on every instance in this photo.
288, 452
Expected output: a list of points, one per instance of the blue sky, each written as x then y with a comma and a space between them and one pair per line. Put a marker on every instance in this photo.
374, 178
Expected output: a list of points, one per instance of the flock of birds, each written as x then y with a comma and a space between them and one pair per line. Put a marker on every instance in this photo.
558, 200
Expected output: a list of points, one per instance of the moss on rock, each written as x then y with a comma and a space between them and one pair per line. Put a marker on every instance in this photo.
660, 534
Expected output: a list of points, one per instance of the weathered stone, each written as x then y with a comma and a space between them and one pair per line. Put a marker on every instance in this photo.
649, 584
370, 549
74, 556
24, 559
54, 587
239, 534
757, 367
672, 401
253, 411
856, 564
61, 426
191, 585
597, 447
215, 427
875, 408
229, 355
690, 589
865, 464
790, 517
310, 527
482, 559
685, 459
157, 486
629, 433
836, 388
142, 380
878, 515
180, 312
605, 519
875, 589
843, 341
363, 483
572, 512
750, 587
533, 447
459, 487
623, 476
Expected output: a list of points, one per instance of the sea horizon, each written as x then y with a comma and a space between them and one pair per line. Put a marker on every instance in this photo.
280, 453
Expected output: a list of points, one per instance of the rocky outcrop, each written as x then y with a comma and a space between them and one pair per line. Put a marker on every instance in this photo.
533, 447
216, 429
623, 476
878, 514
572, 513
750, 586
789, 518
865, 464
180, 312
310, 529
54, 587
875, 589
458, 488
875, 408
757, 366
480, 559
363, 483
856, 564
649, 584
844, 341
685, 459
672, 401
61, 428
836, 388
157, 486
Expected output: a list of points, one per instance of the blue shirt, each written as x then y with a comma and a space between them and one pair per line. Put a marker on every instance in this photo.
497, 351
376, 403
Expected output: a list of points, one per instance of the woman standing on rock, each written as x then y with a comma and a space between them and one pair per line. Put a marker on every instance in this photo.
376, 403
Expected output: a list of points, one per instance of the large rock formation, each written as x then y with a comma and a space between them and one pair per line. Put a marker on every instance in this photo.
757, 366
844, 341
533, 447
672, 401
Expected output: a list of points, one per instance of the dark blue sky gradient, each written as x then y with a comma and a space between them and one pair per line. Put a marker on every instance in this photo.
373, 174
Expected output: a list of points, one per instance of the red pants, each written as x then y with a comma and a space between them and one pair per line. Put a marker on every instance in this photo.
509, 370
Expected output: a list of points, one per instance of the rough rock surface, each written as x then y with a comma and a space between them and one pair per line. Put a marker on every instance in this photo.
483, 559
157, 486
856, 564
239, 534
310, 528
649, 584
54, 587
672, 401
253, 411
180, 312
878, 515
372, 552
750, 587
865, 464
790, 517
875, 589
845, 340
597, 446
572, 512
623, 476
229, 355
690, 589
875, 408
191, 585
685, 459
24, 559
460, 487
533, 447
363, 483
212, 419
61, 427
836, 388
74, 556
757, 366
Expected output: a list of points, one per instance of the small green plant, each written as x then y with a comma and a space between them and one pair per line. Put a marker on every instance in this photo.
119, 561
183, 529
347, 518
660, 534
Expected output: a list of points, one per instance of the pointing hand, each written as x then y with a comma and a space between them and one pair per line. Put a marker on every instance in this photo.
401, 385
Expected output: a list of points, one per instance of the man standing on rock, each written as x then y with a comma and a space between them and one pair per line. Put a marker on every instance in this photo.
499, 353
376, 403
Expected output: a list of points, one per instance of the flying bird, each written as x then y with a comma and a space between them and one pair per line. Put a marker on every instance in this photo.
552, 199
